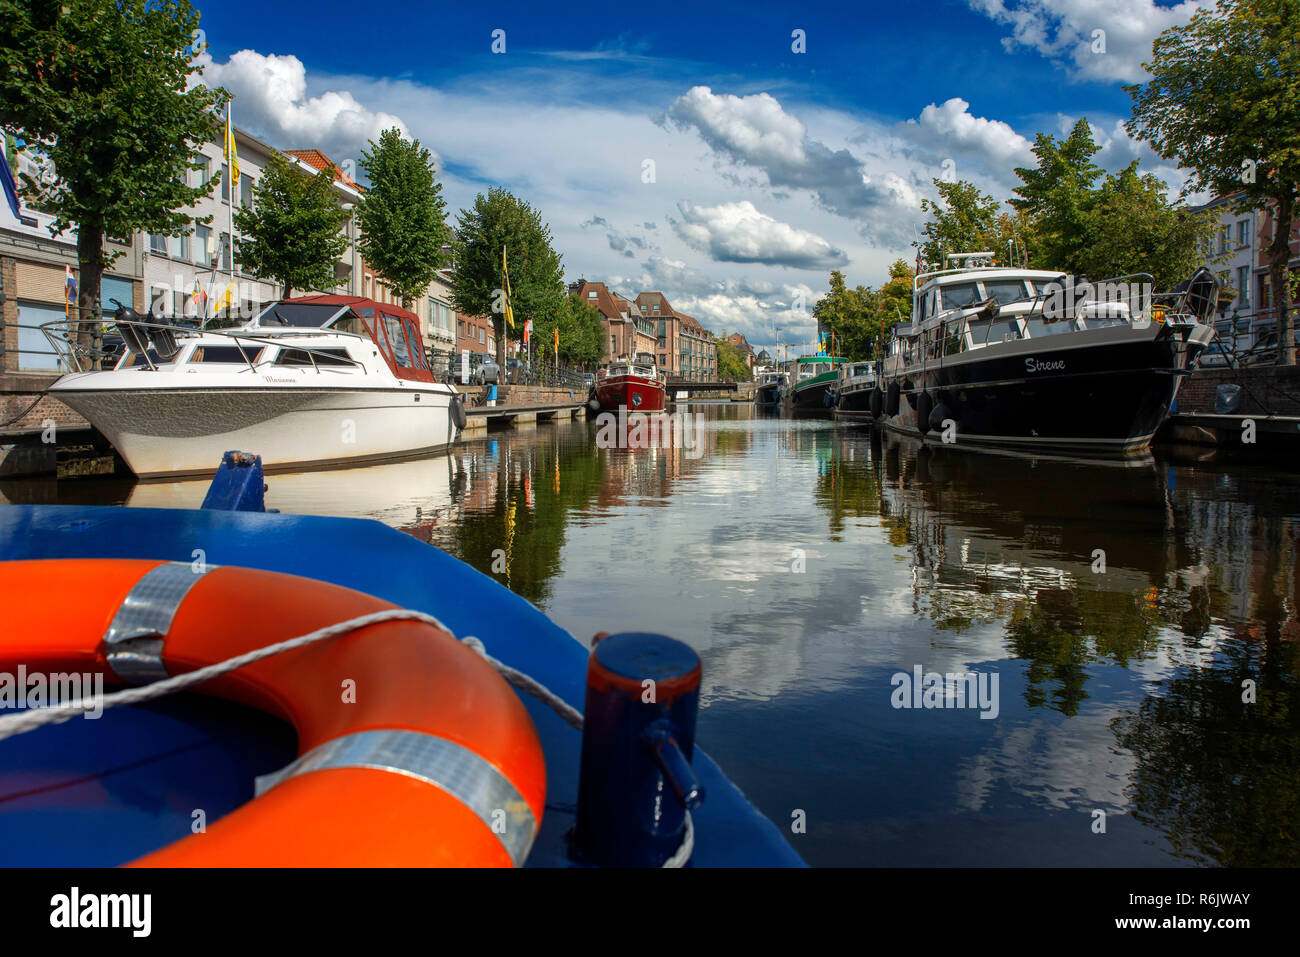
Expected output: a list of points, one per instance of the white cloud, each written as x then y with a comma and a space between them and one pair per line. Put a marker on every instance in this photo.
271, 100
739, 233
1064, 32
952, 126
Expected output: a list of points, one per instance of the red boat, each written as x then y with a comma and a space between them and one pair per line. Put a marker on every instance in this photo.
636, 386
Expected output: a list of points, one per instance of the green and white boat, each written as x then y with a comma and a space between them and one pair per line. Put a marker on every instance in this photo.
810, 378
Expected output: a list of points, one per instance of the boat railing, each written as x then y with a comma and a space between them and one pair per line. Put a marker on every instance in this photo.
140, 337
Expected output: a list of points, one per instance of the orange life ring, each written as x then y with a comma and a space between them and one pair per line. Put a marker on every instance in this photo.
431, 761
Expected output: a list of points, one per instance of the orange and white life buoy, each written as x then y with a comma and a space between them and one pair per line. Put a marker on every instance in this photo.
412, 750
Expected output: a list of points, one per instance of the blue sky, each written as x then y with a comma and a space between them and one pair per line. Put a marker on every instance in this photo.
686, 148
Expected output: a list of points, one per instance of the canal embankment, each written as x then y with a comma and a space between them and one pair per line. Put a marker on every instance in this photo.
1256, 408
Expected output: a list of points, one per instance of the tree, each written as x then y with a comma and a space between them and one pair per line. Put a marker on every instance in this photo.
582, 335
1224, 99
852, 315
1131, 227
1056, 196
731, 361
292, 231
501, 220
964, 220
894, 298
402, 216
102, 89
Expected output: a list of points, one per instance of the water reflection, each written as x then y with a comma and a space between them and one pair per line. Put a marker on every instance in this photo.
1122, 605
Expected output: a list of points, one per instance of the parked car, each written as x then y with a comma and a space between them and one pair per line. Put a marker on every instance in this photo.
1264, 351
487, 370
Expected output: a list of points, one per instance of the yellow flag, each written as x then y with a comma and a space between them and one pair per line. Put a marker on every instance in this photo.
226, 299
505, 273
232, 157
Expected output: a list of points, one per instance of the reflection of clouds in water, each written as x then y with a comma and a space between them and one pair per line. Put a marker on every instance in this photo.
1070, 766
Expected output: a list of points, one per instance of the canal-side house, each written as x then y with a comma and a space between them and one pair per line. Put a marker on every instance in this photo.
628, 330
1241, 244
743, 348
685, 349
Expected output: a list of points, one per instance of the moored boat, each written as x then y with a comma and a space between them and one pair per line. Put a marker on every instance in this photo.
768, 390
1034, 359
811, 379
635, 385
857, 381
315, 380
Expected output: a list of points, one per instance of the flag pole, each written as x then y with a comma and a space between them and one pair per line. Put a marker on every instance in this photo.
230, 178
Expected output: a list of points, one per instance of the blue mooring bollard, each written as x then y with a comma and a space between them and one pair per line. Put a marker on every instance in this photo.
238, 486
636, 781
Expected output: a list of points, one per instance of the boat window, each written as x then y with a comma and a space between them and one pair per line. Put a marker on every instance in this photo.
397, 339
986, 332
960, 295
954, 340
1006, 290
1040, 327
226, 354
1101, 322
323, 357
347, 322
138, 360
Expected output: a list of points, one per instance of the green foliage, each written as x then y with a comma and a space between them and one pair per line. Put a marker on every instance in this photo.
1224, 100
964, 220
100, 88
860, 318
1057, 195
582, 336
731, 361
291, 233
500, 219
1131, 227
402, 217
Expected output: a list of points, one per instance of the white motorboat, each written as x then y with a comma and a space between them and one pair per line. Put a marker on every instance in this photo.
310, 381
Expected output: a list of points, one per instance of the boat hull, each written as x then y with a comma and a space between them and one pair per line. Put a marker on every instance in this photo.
810, 397
1106, 391
855, 405
179, 431
768, 394
631, 392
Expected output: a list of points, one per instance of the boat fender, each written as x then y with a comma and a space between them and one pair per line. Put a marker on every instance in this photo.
434, 738
593, 403
940, 414
876, 402
891, 400
457, 411
924, 406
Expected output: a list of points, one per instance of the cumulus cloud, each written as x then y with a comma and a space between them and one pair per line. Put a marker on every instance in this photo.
952, 127
756, 131
271, 101
739, 233
1064, 32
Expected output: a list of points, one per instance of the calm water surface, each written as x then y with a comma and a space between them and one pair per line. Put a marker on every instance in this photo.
809, 562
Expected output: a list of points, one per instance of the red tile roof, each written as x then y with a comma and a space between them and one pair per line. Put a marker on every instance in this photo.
318, 160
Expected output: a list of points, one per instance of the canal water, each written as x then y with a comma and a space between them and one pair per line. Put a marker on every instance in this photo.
1132, 627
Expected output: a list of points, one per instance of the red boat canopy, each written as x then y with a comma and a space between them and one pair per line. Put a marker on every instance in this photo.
396, 331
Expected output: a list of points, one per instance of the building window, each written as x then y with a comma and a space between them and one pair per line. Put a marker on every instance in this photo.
158, 304
202, 236
1243, 286
246, 191
225, 251
481, 335
181, 246
225, 184
1243, 233
1223, 240
158, 244
591, 294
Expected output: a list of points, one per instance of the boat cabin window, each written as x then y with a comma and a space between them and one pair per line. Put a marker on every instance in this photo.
348, 322
960, 295
984, 332
1040, 328
1006, 290
224, 354
139, 361
322, 357
397, 340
